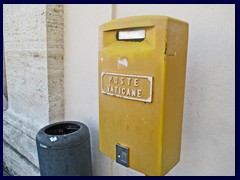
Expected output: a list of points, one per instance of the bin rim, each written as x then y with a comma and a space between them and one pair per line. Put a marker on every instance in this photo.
62, 141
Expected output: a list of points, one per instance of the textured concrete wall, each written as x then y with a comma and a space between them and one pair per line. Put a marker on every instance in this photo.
208, 142
55, 45
4, 79
33, 42
26, 62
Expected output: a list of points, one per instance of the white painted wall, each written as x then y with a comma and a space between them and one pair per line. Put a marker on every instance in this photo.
208, 142
81, 94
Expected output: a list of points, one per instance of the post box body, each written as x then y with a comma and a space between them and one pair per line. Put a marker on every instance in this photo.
141, 91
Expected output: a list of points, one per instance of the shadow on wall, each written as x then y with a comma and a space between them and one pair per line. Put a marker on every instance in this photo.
98, 158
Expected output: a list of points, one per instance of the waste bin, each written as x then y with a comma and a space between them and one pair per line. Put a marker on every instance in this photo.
64, 149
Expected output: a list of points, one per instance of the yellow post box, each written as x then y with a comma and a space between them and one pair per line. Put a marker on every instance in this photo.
142, 67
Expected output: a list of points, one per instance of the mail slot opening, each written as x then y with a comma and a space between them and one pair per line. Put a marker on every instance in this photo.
131, 35
62, 129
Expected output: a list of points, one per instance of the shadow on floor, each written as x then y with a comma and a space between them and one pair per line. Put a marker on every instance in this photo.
5, 172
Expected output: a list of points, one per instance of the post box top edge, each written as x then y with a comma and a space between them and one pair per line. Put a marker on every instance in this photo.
136, 21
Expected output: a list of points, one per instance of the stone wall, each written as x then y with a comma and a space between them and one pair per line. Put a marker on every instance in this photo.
55, 51
4, 79
33, 42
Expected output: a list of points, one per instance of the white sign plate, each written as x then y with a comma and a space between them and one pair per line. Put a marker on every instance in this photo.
134, 87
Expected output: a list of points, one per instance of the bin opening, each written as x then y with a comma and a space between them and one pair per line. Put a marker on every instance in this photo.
62, 129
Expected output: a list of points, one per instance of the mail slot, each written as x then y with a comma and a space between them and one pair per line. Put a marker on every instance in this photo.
142, 69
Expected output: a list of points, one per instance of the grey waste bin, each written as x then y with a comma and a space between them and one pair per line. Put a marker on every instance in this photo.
64, 149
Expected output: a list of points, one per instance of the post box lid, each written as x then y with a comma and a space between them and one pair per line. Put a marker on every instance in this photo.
135, 22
